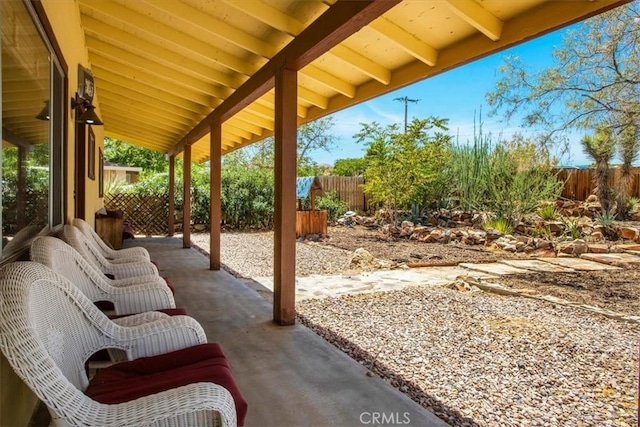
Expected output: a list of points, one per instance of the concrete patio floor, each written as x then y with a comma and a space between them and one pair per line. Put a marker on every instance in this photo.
290, 376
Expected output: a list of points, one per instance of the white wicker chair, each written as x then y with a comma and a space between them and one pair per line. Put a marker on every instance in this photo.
48, 329
120, 268
107, 252
133, 295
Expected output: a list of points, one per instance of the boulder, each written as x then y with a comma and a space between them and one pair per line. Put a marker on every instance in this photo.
361, 258
579, 247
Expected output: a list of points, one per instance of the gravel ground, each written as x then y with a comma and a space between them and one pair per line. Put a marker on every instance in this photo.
474, 359
251, 254
484, 360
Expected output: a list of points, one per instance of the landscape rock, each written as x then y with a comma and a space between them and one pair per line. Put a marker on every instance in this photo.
598, 248
362, 259
579, 247
629, 233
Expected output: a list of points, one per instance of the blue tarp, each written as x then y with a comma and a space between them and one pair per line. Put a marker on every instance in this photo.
304, 184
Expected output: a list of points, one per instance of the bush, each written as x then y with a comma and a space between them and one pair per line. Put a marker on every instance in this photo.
511, 179
329, 202
247, 197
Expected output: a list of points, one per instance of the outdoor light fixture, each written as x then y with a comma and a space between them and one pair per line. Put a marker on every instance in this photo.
84, 98
88, 116
44, 113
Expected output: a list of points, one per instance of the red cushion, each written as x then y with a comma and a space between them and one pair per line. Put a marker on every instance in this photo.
170, 311
170, 285
149, 375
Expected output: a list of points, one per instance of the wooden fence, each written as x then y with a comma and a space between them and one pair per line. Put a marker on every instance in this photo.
148, 214
579, 182
349, 189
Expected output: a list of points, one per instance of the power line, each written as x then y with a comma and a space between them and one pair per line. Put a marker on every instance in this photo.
406, 101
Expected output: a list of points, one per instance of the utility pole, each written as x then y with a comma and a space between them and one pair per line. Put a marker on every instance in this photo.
406, 101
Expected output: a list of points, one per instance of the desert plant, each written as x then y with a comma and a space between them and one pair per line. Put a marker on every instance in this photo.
601, 148
510, 178
572, 228
548, 212
500, 223
605, 218
543, 232
632, 203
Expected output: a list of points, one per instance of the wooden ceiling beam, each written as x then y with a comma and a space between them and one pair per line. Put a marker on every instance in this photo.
268, 99
108, 78
95, 31
99, 49
252, 119
174, 113
269, 15
227, 127
211, 25
405, 41
246, 126
172, 39
329, 80
477, 16
137, 140
339, 22
312, 97
365, 65
165, 83
148, 117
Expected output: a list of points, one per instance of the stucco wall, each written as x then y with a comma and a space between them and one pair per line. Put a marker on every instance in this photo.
64, 17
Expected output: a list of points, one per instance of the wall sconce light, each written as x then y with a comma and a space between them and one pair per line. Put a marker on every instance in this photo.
84, 98
44, 113
88, 116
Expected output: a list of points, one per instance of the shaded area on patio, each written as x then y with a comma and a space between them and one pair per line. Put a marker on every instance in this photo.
289, 375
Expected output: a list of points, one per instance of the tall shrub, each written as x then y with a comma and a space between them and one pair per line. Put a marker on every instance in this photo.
510, 179
247, 197
405, 168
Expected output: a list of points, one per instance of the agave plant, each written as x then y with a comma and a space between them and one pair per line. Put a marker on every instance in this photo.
548, 212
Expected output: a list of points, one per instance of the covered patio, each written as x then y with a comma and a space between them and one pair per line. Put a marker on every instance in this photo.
290, 376
201, 79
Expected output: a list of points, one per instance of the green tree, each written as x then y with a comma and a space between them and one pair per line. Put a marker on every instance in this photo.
123, 153
406, 168
349, 167
595, 79
315, 135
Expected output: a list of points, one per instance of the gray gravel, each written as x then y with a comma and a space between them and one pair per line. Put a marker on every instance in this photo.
251, 254
474, 359
485, 360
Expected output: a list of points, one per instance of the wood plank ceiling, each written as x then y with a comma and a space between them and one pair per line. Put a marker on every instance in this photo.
161, 66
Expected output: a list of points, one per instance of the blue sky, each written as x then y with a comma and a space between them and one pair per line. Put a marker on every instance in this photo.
457, 95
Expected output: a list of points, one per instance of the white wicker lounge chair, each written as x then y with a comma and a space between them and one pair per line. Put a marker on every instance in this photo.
119, 268
48, 329
132, 295
106, 251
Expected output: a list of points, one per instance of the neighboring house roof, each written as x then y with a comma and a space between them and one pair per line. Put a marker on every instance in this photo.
117, 166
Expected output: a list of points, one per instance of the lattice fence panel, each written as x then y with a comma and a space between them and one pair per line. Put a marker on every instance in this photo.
147, 214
